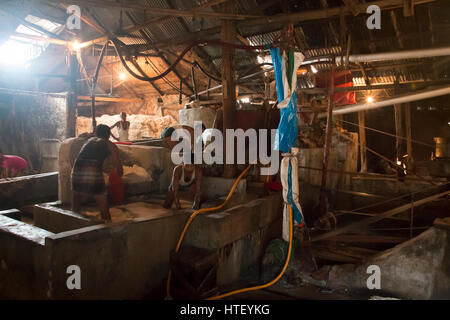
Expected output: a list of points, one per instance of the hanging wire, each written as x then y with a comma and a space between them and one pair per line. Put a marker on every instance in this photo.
155, 68
386, 133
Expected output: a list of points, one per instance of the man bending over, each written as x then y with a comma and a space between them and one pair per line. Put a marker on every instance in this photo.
87, 172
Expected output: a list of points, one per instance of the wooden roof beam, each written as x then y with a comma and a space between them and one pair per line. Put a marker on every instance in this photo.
156, 11
353, 6
397, 30
311, 15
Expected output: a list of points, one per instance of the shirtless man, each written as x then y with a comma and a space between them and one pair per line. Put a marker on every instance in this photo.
185, 177
11, 166
123, 126
87, 173
166, 135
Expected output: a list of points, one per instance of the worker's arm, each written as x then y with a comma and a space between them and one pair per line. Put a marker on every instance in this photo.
176, 184
115, 154
198, 188
112, 127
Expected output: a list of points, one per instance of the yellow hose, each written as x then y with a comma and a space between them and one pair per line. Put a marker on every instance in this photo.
192, 218
274, 280
169, 277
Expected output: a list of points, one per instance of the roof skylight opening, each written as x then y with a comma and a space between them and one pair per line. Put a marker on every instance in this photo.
17, 51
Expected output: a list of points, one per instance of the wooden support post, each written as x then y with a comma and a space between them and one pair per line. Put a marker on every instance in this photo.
326, 149
72, 97
410, 163
94, 85
398, 132
362, 141
228, 34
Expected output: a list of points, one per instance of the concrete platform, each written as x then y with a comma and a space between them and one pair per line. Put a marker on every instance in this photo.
129, 257
21, 191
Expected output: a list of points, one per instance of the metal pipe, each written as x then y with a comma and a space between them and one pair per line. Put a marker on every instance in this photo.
396, 55
424, 94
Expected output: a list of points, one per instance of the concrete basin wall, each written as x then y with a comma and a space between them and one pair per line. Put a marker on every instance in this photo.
56, 220
24, 260
123, 261
27, 190
239, 234
126, 260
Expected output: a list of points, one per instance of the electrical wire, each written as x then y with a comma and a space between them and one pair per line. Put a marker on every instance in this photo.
155, 68
386, 133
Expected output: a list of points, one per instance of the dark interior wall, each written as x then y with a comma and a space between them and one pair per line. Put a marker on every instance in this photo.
429, 119
25, 120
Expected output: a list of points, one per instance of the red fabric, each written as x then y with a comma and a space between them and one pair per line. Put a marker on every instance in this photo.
14, 163
274, 185
123, 142
341, 79
116, 188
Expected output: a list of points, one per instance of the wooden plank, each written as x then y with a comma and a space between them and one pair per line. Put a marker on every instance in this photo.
398, 131
71, 102
155, 10
408, 8
356, 238
327, 254
353, 252
370, 215
397, 30
353, 6
409, 150
36, 38
109, 99
362, 141
389, 213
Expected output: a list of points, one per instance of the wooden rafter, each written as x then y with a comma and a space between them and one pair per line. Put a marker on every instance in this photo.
311, 15
154, 10
353, 5
397, 30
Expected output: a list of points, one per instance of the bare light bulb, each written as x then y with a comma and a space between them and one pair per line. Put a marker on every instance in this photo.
369, 100
76, 46
122, 76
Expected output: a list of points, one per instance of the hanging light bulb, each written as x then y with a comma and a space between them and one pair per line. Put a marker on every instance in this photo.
122, 76
369, 99
76, 46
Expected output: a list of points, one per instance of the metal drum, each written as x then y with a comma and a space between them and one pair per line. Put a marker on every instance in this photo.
442, 149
